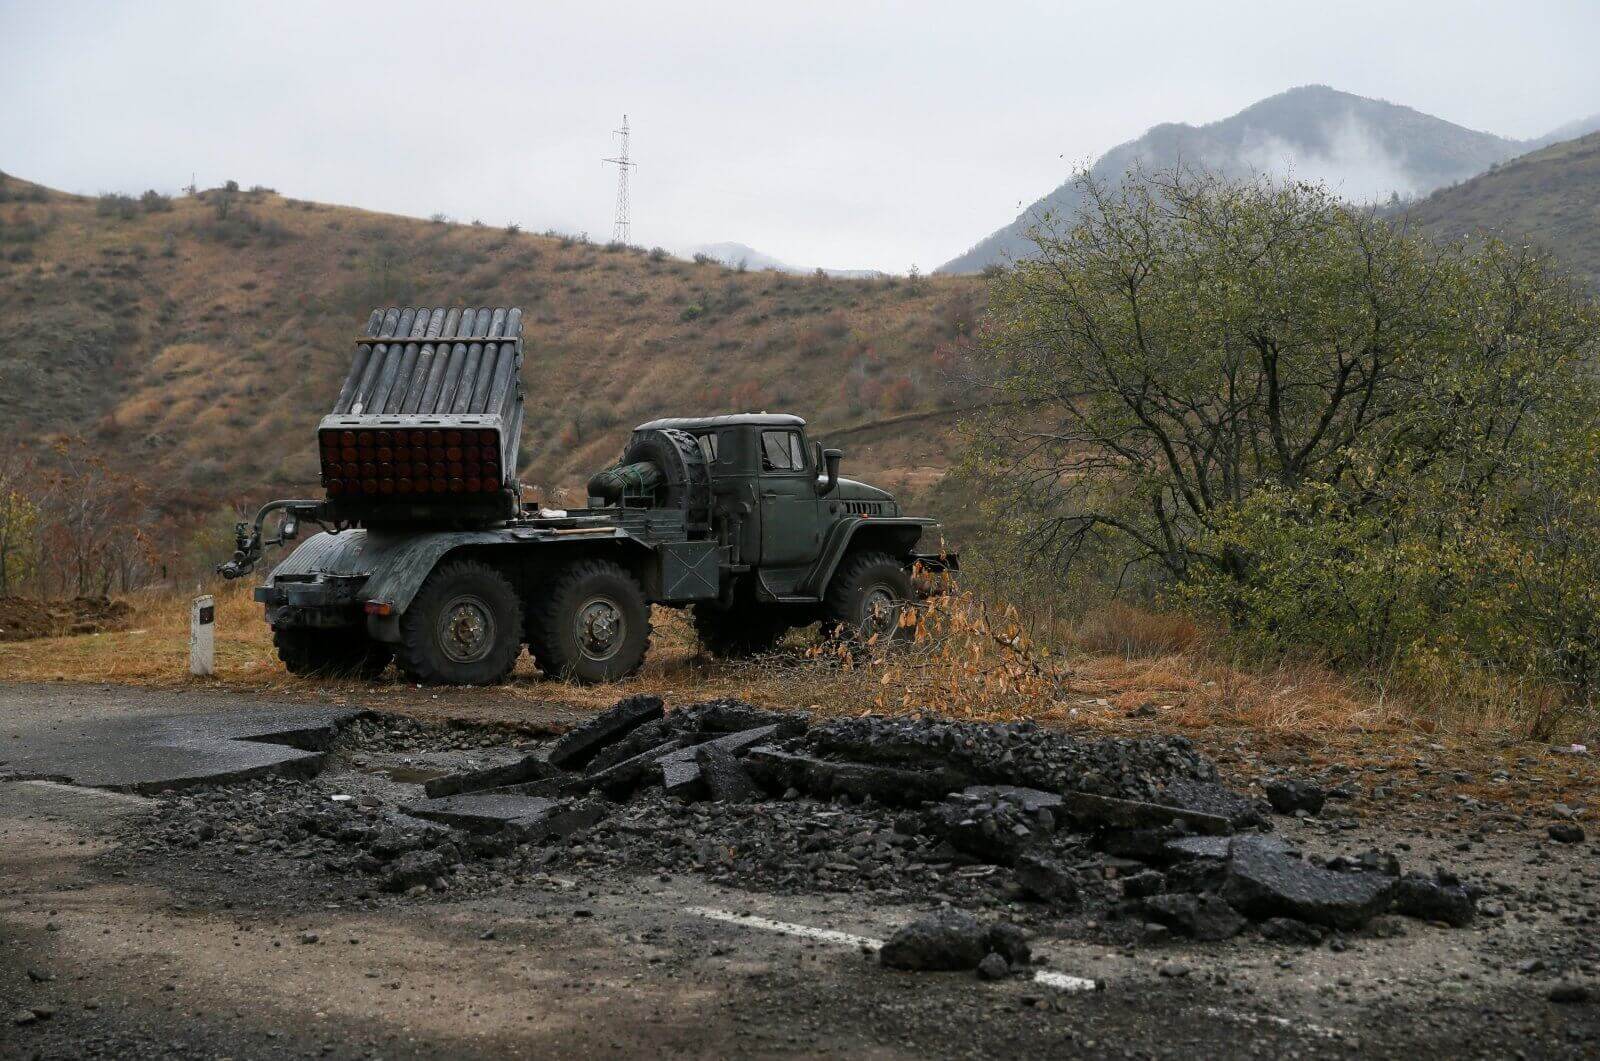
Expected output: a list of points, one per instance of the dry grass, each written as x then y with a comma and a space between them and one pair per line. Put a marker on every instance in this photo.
1124, 670
1299, 715
966, 660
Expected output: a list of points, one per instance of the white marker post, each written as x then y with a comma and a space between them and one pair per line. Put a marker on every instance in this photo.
202, 636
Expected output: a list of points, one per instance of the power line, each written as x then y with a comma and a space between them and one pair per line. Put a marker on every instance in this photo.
621, 230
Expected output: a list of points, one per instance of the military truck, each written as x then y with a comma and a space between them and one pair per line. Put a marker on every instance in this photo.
428, 555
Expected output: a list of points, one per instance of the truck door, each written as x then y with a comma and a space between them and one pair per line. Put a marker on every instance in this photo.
791, 532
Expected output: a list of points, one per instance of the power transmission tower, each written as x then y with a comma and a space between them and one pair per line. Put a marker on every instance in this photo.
621, 230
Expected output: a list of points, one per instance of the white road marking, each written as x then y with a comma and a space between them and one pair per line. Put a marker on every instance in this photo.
1280, 1022
825, 935
1059, 981
1063, 982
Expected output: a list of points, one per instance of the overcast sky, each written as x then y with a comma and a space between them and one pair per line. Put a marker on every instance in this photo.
852, 134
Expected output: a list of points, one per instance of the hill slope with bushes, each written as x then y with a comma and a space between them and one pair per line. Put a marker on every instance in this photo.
195, 342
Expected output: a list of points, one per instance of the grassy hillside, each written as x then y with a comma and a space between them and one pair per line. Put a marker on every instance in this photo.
1551, 197
1364, 149
195, 342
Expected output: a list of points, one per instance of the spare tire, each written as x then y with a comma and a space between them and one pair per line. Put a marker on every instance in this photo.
685, 480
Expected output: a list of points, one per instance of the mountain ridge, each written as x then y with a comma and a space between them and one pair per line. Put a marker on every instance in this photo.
1363, 148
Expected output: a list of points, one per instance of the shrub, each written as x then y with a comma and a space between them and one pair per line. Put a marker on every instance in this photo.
154, 202
112, 204
692, 311
1308, 424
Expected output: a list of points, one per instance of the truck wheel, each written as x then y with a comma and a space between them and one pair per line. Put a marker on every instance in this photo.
464, 627
594, 624
331, 653
866, 598
733, 633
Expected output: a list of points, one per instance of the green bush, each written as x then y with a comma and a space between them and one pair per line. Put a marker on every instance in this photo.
1306, 423
112, 204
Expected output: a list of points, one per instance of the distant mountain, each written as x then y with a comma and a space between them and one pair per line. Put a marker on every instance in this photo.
740, 256
1551, 197
1364, 149
1569, 131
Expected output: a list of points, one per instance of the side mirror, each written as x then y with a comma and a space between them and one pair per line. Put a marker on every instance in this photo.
830, 461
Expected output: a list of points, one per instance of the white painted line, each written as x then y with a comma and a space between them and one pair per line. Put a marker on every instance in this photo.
1063, 982
1266, 1018
1059, 981
825, 935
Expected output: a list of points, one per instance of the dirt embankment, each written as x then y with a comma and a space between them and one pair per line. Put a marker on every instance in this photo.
23, 618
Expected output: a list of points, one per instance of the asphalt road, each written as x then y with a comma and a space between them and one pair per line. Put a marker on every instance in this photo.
134, 953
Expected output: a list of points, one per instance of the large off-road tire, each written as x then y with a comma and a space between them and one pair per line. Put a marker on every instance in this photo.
593, 624
864, 602
335, 653
464, 627
738, 632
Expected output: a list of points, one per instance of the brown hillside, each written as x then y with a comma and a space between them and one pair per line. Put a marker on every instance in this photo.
196, 342
1551, 197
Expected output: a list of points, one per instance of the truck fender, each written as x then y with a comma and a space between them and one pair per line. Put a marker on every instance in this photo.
400, 564
896, 536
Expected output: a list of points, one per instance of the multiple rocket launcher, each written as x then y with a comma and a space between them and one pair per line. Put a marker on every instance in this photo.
429, 418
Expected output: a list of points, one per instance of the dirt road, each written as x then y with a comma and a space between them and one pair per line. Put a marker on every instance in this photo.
114, 943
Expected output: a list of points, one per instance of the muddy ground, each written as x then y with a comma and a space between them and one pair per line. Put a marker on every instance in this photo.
128, 930
25, 618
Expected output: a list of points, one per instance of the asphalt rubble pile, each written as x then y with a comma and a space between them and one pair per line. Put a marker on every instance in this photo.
1137, 836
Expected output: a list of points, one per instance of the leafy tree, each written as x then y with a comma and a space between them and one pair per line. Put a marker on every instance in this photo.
19, 521
1306, 421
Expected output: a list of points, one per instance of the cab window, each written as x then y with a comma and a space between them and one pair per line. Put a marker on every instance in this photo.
782, 451
708, 446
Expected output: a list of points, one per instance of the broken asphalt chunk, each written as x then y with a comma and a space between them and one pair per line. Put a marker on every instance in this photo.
525, 817
1288, 930
1095, 810
941, 942
580, 745
1429, 899
1031, 800
1263, 882
1292, 796
528, 768
624, 777
1010, 942
724, 775
1202, 917
414, 868
1210, 798
681, 770
779, 770
1046, 879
